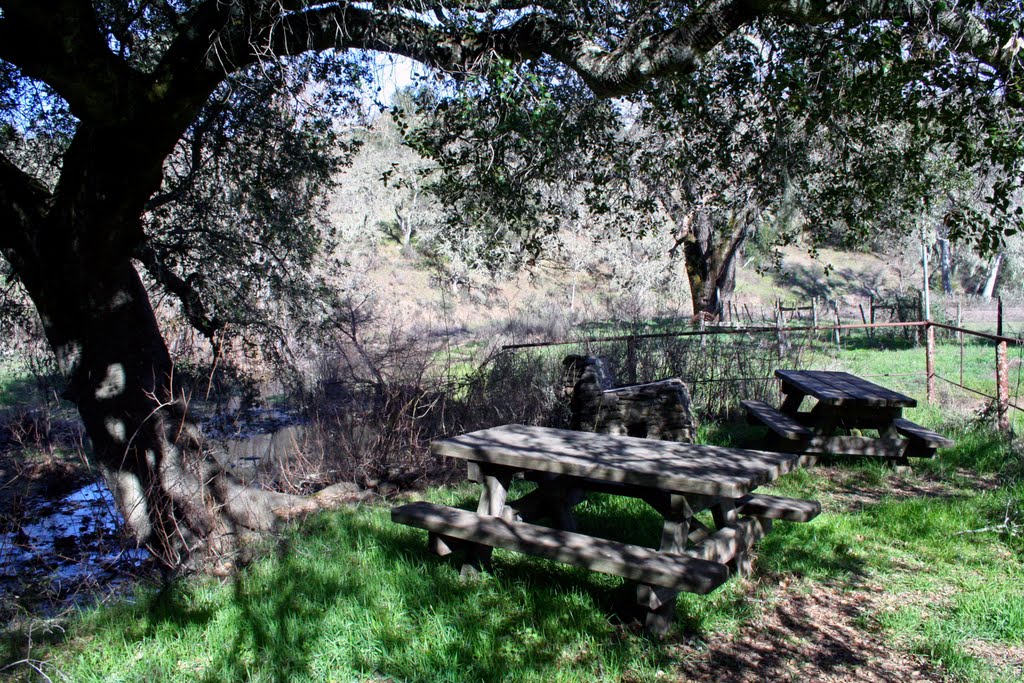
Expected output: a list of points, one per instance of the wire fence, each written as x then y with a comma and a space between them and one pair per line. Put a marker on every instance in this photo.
938, 362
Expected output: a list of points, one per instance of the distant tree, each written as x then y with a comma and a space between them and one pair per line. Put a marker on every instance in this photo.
118, 86
864, 127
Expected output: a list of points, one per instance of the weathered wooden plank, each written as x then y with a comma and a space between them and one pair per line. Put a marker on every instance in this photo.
776, 507
731, 540
672, 466
849, 445
842, 388
926, 436
806, 384
780, 423
646, 565
862, 390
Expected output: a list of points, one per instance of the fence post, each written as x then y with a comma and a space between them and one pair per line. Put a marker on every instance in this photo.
631, 359
930, 360
814, 312
835, 311
999, 316
778, 329
1002, 388
871, 310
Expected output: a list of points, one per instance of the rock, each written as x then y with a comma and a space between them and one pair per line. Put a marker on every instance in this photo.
338, 494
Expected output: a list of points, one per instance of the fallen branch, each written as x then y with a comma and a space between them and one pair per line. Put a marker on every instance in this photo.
1008, 526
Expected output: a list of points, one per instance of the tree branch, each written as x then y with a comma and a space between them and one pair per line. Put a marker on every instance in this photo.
191, 302
61, 44
608, 71
23, 203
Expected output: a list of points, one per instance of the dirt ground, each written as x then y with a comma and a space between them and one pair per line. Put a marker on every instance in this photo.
809, 635
828, 633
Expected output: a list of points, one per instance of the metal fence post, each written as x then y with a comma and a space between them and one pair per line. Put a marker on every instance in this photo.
930, 360
1002, 388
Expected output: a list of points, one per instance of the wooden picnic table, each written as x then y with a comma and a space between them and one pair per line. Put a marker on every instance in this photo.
844, 402
676, 479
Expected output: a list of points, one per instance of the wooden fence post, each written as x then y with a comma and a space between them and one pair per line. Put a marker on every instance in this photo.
814, 311
835, 312
778, 329
1002, 388
930, 361
631, 359
999, 316
871, 311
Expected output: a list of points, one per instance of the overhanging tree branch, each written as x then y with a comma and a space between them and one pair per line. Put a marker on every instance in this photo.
608, 71
191, 301
61, 44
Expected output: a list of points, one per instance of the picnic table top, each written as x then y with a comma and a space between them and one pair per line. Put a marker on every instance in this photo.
842, 388
665, 465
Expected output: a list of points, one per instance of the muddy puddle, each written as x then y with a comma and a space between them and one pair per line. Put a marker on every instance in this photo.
56, 550
67, 545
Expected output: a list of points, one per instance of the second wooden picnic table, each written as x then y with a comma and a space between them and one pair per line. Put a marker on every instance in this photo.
849, 403
676, 479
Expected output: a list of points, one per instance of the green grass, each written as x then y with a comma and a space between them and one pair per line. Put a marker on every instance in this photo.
17, 388
350, 596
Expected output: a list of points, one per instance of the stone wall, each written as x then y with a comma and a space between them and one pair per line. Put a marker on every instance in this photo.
656, 410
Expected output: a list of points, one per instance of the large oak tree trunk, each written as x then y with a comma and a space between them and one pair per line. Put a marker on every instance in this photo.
73, 252
175, 498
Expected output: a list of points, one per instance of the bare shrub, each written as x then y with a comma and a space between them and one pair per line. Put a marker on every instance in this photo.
377, 401
539, 320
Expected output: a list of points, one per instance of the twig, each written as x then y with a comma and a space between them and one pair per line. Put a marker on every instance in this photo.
1009, 526
35, 664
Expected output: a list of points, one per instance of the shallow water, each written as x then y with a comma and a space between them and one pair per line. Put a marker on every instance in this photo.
74, 542
67, 542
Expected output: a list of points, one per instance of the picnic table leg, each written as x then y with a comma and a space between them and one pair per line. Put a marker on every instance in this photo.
793, 398
564, 499
495, 483
900, 465
724, 512
659, 602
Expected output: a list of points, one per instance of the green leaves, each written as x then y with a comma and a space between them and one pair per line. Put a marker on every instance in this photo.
507, 143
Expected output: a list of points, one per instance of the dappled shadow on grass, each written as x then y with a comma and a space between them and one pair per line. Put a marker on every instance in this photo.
348, 594
811, 550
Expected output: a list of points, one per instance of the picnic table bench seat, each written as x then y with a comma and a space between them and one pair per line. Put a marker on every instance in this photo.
925, 436
671, 570
759, 412
777, 507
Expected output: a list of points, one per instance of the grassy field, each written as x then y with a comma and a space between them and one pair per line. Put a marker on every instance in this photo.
349, 596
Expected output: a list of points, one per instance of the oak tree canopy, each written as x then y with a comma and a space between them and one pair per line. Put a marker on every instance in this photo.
110, 112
